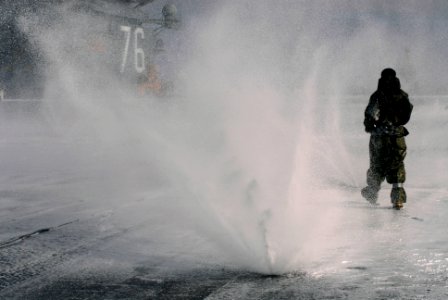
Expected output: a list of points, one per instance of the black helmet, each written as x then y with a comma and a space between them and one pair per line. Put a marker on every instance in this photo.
389, 83
388, 72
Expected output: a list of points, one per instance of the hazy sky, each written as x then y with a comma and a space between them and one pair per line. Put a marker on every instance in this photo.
410, 36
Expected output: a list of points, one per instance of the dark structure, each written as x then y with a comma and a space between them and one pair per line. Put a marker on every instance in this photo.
388, 110
123, 41
21, 65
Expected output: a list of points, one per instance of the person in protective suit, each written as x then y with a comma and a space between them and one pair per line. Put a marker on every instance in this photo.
388, 110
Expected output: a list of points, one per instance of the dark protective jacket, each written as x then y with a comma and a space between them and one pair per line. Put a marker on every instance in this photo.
388, 110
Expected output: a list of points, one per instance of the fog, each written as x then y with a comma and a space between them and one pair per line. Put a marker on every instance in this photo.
263, 131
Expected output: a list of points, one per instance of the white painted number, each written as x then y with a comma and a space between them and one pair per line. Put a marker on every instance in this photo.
127, 32
139, 54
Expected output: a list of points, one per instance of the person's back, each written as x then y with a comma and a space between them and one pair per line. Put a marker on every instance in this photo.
388, 110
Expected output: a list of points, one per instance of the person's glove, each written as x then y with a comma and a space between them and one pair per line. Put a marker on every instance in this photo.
369, 126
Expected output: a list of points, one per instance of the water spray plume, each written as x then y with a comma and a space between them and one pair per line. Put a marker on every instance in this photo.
253, 150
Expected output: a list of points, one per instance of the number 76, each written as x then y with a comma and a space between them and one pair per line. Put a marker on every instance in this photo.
139, 54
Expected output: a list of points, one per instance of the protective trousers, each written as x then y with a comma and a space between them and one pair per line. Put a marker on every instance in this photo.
387, 154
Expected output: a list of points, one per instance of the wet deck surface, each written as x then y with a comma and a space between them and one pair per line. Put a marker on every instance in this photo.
96, 257
99, 237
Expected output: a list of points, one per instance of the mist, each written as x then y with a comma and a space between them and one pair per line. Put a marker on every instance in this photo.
265, 127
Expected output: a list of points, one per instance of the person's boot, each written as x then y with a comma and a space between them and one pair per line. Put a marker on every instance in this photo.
398, 196
370, 193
